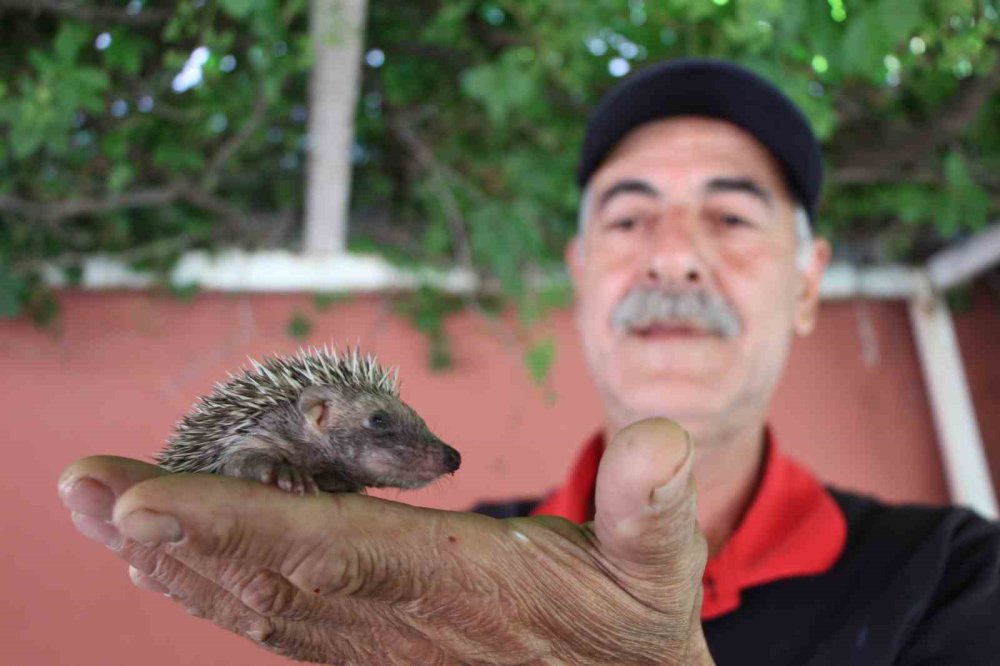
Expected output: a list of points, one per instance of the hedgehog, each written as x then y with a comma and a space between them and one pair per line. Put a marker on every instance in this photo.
318, 420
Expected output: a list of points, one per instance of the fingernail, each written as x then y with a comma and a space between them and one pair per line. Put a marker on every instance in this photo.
88, 497
259, 630
672, 488
144, 582
150, 528
98, 530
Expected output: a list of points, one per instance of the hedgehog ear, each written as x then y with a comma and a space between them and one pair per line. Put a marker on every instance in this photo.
314, 404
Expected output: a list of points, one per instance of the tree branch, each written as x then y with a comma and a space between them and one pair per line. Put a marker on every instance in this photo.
232, 145
874, 174
60, 210
83, 12
400, 125
230, 214
137, 253
200, 195
877, 159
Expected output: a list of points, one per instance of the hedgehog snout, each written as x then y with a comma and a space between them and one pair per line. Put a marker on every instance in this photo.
452, 459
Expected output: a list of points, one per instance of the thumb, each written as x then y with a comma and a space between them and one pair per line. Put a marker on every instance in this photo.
645, 510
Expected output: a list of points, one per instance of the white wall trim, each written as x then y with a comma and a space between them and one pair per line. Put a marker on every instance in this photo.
284, 271
964, 260
962, 455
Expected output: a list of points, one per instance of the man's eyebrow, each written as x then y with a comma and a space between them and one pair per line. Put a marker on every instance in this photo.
747, 185
628, 186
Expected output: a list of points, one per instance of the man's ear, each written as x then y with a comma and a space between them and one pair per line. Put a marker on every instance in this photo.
807, 305
314, 403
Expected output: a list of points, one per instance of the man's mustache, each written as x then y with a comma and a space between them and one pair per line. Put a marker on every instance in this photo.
644, 307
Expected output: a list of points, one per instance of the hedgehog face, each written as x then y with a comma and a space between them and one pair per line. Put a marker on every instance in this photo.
376, 439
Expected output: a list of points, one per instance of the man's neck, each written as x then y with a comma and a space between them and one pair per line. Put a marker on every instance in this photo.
727, 470
726, 474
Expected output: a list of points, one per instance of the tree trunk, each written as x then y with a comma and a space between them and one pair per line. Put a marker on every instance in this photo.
337, 30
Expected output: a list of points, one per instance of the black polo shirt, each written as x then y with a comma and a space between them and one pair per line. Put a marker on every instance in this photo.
813, 575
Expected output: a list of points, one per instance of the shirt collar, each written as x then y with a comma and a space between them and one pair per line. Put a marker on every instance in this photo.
793, 527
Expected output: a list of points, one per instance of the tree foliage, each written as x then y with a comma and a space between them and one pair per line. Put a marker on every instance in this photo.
142, 132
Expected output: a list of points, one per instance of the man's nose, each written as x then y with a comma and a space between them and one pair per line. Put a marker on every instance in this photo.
673, 255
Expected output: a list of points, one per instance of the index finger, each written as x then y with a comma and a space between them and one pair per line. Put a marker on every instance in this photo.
341, 544
90, 485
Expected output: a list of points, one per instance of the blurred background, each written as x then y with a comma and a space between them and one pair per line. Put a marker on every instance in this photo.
185, 184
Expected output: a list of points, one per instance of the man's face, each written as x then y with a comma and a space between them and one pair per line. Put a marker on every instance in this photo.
692, 211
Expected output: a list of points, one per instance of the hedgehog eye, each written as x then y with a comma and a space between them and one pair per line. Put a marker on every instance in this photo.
378, 421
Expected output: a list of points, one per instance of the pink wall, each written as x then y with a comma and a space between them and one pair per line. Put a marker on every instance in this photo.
979, 336
126, 366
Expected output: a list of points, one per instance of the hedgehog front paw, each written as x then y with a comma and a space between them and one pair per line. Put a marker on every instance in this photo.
290, 479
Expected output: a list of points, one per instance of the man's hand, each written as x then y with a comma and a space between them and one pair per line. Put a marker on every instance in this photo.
351, 579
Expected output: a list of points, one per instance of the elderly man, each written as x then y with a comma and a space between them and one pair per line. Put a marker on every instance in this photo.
694, 268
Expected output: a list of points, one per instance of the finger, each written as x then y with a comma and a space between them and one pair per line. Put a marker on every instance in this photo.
89, 486
645, 505
144, 582
265, 608
341, 544
199, 581
151, 568
311, 488
98, 530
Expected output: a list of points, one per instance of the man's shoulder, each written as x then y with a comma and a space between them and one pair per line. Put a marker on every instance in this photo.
914, 584
931, 551
870, 519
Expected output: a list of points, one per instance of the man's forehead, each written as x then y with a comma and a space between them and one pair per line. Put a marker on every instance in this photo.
702, 148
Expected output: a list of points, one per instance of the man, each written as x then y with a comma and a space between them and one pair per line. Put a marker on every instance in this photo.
693, 269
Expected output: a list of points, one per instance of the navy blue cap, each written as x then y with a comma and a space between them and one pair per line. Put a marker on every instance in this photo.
717, 89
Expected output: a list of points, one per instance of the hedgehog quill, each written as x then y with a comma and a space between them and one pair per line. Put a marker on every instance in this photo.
315, 421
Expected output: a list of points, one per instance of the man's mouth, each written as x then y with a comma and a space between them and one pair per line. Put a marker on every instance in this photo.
661, 331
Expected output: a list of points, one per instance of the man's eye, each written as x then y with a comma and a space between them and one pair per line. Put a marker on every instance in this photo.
623, 224
731, 220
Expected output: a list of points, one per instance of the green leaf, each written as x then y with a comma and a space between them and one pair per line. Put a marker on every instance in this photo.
323, 301
864, 45
69, 40
539, 358
90, 80
120, 176
299, 326
183, 292
114, 145
899, 18
239, 8
440, 356
124, 53
27, 135
448, 25
176, 157
956, 172
11, 295
40, 303
971, 202
502, 87
73, 275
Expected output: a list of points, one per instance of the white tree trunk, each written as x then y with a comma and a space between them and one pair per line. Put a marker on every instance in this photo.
337, 30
